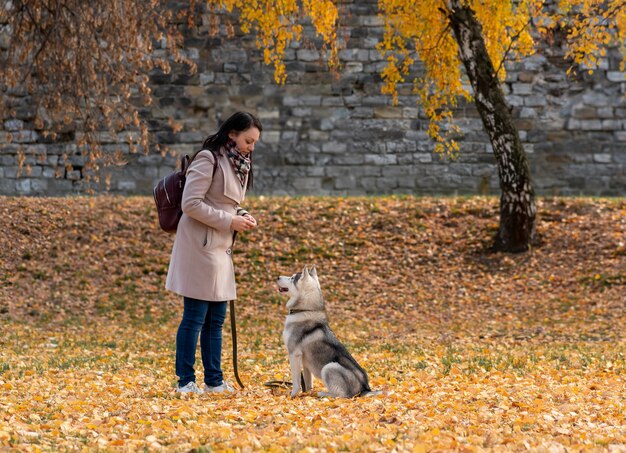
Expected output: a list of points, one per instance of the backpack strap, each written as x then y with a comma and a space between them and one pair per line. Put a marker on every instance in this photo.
186, 161
214, 161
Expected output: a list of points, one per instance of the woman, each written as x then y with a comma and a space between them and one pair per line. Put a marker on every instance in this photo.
201, 267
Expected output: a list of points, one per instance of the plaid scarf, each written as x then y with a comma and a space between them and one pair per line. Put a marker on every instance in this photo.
241, 164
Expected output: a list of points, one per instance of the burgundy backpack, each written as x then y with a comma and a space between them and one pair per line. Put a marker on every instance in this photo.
168, 194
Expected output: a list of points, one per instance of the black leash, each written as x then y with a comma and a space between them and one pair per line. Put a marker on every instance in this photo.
233, 328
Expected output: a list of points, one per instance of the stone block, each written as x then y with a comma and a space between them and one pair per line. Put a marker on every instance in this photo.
348, 181
606, 112
616, 76
354, 54
611, 125
602, 158
363, 112
527, 112
381, 159
582, 111
515, 101
385, 185
14, 125
23, 186
391, 171
334, 147
267, 114
301, 112
376, 67
318, 136
7, 187
306, 183
126, 185
353, 100
39, 186
289, 136
271, 137
536, 136
373, 101
389, 112
13, 172
7, 161
535, 100
308, 55
371, 21
573, 124
596, 99
33, 171
25, 136
310, 100
400, 147
591, 125
410, 112
290, 101
522, 88
206, 78
334, 101
222, 55
190, 137
317, 172
525, 76
73, 175
353, 67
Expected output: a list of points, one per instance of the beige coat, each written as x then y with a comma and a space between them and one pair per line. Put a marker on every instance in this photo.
201, 266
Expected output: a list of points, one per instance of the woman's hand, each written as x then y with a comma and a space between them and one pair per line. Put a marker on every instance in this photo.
248, 216
243, 223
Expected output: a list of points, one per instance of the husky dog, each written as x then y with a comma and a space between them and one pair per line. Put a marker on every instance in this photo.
313, 348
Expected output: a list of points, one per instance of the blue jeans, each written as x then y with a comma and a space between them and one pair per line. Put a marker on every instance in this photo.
204, 318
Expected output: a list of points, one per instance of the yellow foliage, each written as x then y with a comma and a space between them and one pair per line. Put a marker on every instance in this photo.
276, 23
421, 30
596, 25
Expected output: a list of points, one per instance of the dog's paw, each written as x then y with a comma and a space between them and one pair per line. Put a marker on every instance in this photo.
294, 393
324, 395
372, 393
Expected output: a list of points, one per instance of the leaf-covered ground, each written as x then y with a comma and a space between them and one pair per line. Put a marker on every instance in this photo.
474, 351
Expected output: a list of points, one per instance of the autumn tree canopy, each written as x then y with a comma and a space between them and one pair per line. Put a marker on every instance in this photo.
86, 64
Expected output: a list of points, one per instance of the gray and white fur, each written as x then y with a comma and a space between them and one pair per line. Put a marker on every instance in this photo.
313, 348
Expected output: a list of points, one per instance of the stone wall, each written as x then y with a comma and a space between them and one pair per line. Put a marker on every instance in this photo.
338, 135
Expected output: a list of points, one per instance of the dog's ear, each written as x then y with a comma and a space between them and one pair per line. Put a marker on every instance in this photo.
305, 273
313, 272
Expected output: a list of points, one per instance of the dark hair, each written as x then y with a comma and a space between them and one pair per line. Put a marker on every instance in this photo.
238, 122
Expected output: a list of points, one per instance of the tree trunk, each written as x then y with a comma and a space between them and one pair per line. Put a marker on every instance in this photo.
517, 202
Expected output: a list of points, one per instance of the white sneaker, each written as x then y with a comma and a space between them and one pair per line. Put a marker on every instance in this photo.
224, 387
191, 387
